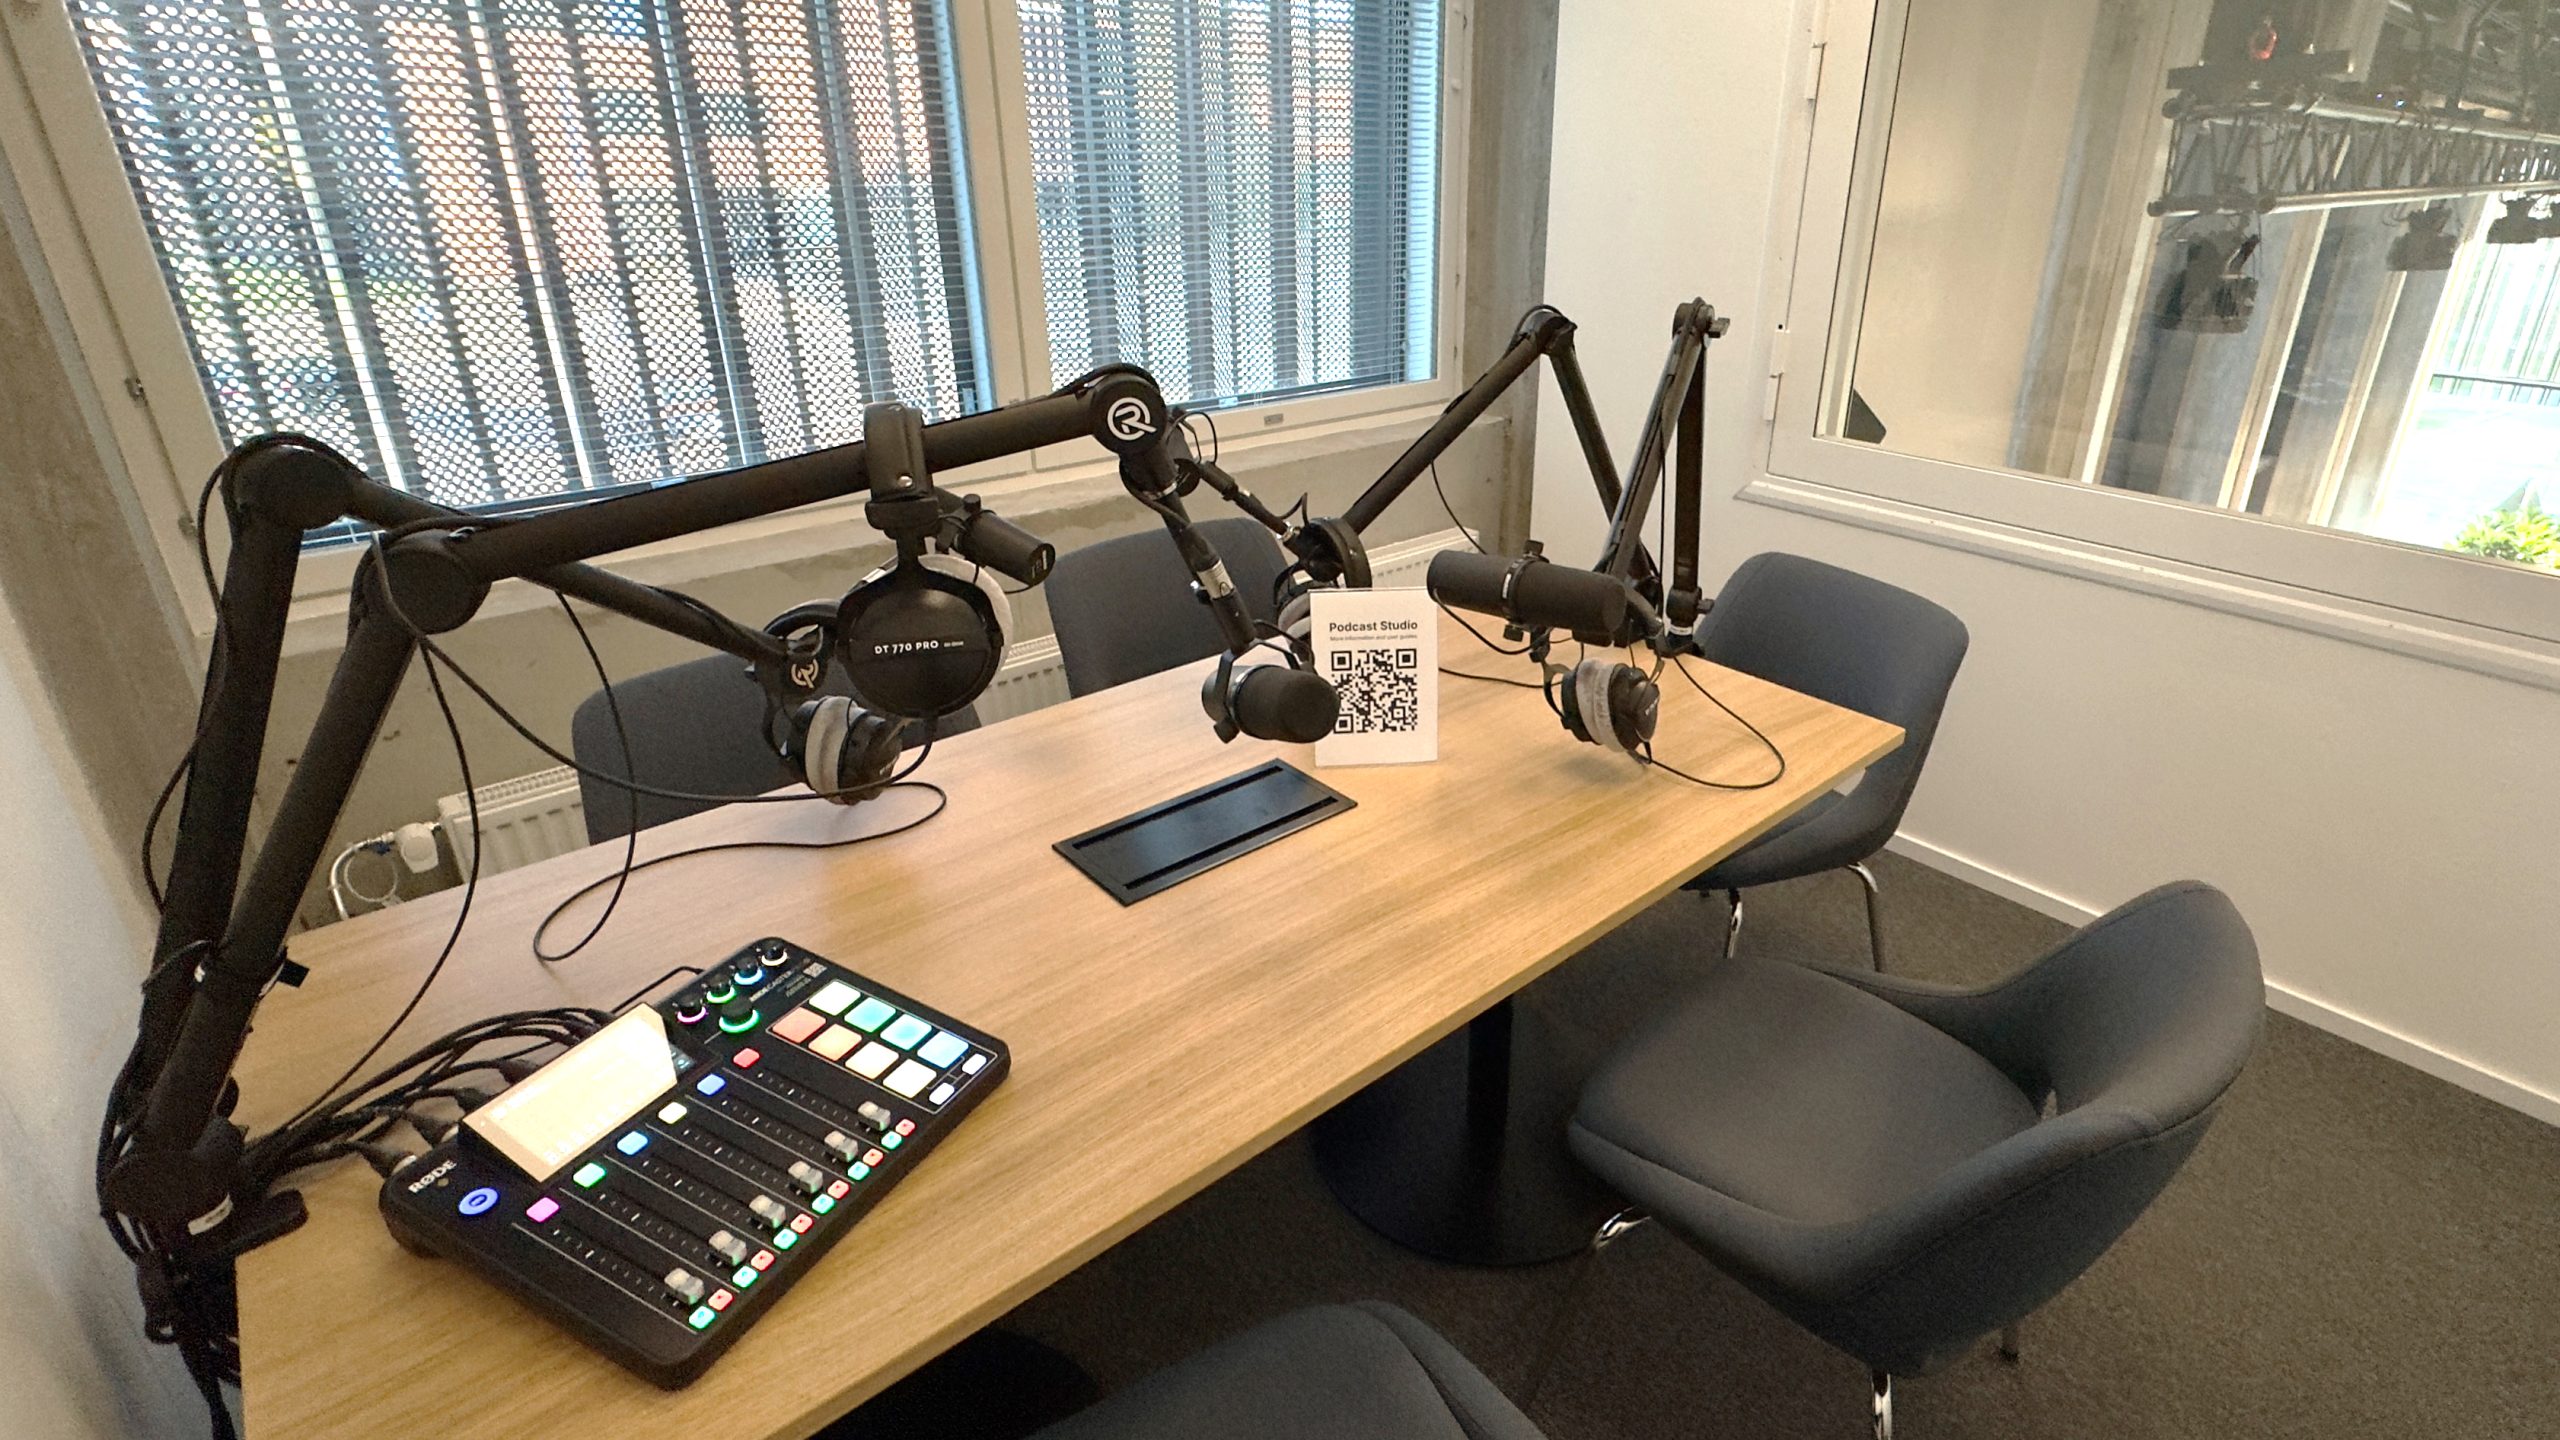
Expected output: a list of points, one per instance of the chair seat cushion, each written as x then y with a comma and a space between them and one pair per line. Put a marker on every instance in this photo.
1340, 1372
1792, 1093
1810, 841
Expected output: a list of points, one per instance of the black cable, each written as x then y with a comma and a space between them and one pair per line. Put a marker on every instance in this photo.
151, 826
213, 674
898, 780
462, 916
1491, 679
427, 645
942, 801
1757, 733
673, 971
1452, 512
630, 767
1470, 629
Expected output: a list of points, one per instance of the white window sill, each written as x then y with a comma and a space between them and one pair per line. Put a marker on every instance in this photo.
318, 619
2489, 652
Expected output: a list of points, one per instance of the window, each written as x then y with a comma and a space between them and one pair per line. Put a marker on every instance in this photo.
2289, 262
1242, 193
500, 251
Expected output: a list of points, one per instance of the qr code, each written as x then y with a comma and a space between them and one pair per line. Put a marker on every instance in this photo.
1381, 691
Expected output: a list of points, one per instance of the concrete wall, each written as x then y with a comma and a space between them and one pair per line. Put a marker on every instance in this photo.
72, 947
2386, 824
105, 645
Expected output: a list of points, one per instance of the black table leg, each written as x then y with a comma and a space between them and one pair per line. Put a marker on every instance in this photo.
995, 1385
1460, 1153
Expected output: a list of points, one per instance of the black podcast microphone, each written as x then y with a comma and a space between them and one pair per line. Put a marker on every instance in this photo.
1282, 702
1531, 591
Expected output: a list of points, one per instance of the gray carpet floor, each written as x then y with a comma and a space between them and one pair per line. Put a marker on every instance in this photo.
2356, 1250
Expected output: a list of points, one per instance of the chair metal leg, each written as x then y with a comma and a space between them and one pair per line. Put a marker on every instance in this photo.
1875, 916
1610, 1229
2010, 1338
1733, 922
1884, 1405
1617, 1225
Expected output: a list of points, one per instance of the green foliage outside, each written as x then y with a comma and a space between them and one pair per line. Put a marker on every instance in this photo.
2525, 533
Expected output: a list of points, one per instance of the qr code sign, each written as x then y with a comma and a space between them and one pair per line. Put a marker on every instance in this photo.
1381, 691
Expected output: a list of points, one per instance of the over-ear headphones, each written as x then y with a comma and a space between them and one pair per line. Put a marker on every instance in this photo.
923, 636
1611, 704
845, 752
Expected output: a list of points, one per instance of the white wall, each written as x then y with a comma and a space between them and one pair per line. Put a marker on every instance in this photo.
2390, 827
73, 945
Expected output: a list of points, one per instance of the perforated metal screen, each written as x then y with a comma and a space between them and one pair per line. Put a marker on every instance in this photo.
504, 249
1240, 194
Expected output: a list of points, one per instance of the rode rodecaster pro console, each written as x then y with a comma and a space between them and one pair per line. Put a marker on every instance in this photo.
656, 1187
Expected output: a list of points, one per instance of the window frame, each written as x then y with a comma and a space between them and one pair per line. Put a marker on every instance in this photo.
89, 245
2478, 613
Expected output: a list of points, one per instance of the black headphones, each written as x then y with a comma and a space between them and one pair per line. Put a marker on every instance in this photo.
1622, 699
924, 635
846, 753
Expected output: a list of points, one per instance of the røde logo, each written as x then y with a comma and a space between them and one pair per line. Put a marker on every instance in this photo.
431, 1177
1129, 419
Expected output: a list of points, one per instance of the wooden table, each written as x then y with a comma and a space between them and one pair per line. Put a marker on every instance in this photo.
1156, 1047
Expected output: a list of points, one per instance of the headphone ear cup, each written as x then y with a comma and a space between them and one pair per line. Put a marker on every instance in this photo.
922, 640
871, 750
990, 588
1296, 622
822, 725
1635, 704
1586, 709
1611, 705
849, 753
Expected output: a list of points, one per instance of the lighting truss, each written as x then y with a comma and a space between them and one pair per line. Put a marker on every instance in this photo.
2259, 157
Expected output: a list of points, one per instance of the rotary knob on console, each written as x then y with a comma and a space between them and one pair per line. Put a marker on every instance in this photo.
738, 1013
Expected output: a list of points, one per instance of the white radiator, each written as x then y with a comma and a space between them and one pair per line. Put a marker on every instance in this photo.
534, 817
531, 817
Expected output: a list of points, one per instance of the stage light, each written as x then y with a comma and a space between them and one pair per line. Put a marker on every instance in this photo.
2428, 243
2212, 293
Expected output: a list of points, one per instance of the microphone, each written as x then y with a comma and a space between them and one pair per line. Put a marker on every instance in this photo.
1270, 702
1006, 548
1281, 702
1530, 591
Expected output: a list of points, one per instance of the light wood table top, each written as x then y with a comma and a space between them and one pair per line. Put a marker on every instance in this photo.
1155, 1048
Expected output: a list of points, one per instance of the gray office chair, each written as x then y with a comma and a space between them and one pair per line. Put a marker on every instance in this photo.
1340, 1372
1862, 645
1123, 608
696, 727
1872, 1155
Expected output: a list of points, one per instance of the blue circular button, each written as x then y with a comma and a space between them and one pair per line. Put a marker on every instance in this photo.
480, 1201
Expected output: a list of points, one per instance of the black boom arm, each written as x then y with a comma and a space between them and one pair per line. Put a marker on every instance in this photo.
169, 1150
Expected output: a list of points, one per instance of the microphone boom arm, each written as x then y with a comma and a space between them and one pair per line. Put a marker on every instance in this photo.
1329, 551
169, 1149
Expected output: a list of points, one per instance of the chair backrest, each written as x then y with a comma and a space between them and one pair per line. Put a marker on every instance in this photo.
696, 727
2151, 1010
1856, 642
2138, 1026
1123, 609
